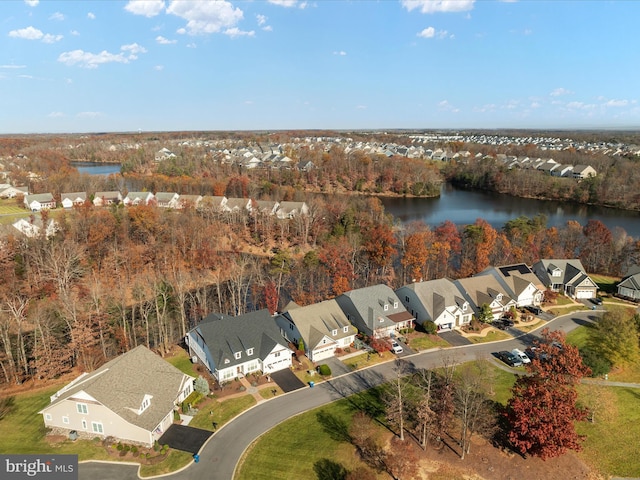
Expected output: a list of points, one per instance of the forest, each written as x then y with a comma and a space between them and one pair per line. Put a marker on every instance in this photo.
113, 278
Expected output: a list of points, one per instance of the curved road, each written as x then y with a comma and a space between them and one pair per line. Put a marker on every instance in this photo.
221, 454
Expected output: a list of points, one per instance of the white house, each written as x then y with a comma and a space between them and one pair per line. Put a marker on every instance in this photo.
519, 282
103, 199
68, 200
131, 398
138, 198
39, 201
232, 347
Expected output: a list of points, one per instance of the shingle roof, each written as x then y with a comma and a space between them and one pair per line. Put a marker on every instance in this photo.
320, 319
122, 383
225, 336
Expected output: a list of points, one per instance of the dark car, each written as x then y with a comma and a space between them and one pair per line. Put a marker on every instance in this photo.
507, 322
597, 301
534, 310
499, 324
509, 358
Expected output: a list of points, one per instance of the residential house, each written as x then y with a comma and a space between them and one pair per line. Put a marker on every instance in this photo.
291, 209
375, 311
323, 327
265, 207
39, 201
519, 282
32, 227
164, 154
138, 198
438, 301
131, 398
69, 200
565, 276
213, 204
562, 171
232, 347
186, 201
583, 171
482, 290
167, 199
237, 205
629, 287
548, 167
9, 191
104, 199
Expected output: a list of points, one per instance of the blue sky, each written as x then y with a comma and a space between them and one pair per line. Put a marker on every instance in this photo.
155, 65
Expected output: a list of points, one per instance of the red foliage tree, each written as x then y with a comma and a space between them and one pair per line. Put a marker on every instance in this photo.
270, 294
543, 408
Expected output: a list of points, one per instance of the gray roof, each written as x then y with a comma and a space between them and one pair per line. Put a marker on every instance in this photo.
573, 273
481, 290
225, 335
122, 383
437, 295
320, 319
39, 197
515, 279
369, 303
632, 282
165, 196
74, 196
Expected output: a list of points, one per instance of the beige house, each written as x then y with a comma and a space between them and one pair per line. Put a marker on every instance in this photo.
131, 398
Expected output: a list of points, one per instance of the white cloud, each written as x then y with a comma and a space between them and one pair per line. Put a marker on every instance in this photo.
164, 41
446, 106
89, 114
560, 91
204, 17
56, 115
535, 105
148, 8
267, 28
261, 19
236, 32
340, 53
13, 66
192, 45
284, 3
428, 32
435, 6
361, 107
94, 60
57, 16
616, 103
75, 33
32, 3
91, 16
48, 38
26, 76
31, 33
159, 68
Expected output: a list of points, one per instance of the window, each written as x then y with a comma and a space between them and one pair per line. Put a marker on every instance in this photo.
84, 424
250, 351
82, 408
406, 299
146, 401
386, 307
96, 427
291, 326
395, 304
277, 354
464, 307
556, 273
345, 329
47, 417
226, 360
237, 355
65, 420
334, 332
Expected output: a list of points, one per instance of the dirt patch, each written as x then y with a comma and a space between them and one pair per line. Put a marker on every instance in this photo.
486, 462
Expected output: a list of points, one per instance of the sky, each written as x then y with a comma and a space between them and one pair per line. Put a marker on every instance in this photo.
167, 65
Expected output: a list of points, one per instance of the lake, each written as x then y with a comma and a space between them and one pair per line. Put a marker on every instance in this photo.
96, 168
463, 207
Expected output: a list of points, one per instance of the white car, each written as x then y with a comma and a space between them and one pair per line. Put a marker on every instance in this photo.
521, 355
396, 348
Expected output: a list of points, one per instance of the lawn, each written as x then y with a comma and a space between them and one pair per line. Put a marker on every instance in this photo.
367, 359
222, 411
606, 284
181, 360
425, 342
566, 310
492, 335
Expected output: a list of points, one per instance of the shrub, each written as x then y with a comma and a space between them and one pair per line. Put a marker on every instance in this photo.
164, 449
201, 385
324, 370
430, 327
126, 448
119, 447
176, 415
134, 449
156, 446
598, 364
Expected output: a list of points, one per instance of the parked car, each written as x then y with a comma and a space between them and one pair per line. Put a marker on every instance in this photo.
507, 321
499, 324
597, 300
396, 348
534, 310
521, 355
509, 358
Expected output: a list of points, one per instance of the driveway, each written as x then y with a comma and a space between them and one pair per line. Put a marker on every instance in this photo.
337, 366
185, 438
454, 338
287, 380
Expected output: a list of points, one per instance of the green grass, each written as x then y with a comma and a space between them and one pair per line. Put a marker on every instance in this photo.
222, 412
174, 461
605, 283
426, 342
182, 362
562, 300
566, 310
579, 336
364, 360
491, 336
611, 444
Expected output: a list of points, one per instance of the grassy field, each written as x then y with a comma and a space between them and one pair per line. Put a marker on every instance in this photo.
319, 435
426, 342
606, 284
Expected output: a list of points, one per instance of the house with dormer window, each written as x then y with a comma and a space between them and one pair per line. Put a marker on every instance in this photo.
323, 327
482, 290
131, 398
438, 301
519, 282
375, 311
566, 276
231, 347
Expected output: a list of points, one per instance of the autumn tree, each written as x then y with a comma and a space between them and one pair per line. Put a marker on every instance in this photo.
543, 408
615, 338
395, 400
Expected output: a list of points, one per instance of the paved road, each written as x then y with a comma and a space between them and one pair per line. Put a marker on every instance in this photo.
224, 449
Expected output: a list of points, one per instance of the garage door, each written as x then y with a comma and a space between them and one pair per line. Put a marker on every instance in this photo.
584, 294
